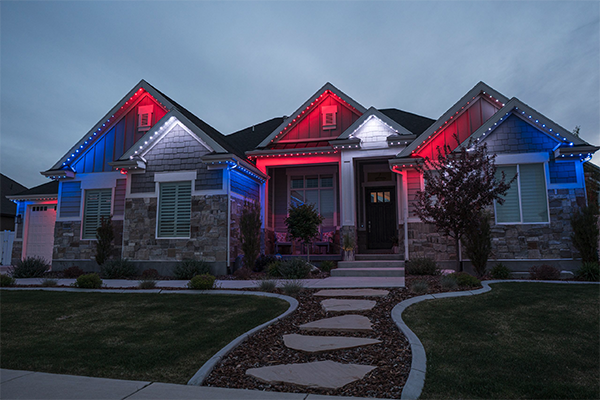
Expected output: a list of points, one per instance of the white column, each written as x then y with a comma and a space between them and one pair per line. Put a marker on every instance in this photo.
347, 192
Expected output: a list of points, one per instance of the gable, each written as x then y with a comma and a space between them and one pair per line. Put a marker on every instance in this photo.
514, 135
374, 132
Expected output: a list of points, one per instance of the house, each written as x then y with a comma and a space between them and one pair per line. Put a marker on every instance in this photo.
175, 186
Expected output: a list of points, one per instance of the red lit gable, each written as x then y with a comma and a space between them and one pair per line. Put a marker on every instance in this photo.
322, 120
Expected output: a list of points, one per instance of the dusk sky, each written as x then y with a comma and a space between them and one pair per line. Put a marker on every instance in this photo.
234, 64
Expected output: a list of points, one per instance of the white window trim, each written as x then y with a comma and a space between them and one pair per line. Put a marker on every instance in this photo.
158, 210
546, 175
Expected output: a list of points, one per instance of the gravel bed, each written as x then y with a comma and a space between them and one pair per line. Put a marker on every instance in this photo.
392, 357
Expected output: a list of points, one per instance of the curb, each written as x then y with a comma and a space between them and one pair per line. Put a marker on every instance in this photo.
416, 378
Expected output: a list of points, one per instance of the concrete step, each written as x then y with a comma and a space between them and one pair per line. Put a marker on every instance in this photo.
371, 264
378, 257
396, 272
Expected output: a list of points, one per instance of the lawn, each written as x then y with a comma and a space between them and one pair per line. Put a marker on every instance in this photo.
150, 337
521, 340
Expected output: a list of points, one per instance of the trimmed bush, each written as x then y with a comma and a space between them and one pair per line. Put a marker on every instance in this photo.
147, 283
72, 272
422, 266
465, 280
499, 271
585, 233
6, 280
30, 267
294, 268
448, 282
118, 269
150, 273
544, 273
292, 287
263, 261
201, 282
89, 281
419, 287
49, 282
267, 285
187, 269
589, 271
326, 266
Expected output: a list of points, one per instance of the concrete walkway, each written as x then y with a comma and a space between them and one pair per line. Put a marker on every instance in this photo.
39, 385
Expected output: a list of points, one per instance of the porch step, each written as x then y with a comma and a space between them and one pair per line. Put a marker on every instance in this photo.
371, 264
378, 257
385, 272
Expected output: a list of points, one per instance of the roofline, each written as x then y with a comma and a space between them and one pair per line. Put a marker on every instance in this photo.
34, 197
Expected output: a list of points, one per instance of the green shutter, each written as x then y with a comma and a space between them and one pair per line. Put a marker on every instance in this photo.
175, 209
97, 205
533, 193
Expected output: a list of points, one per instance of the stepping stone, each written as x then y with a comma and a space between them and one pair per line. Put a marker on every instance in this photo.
352, 293
344, 323
341, 305
319, 374
313, 344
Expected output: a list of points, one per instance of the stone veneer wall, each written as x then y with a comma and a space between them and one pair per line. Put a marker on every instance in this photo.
208, 237
17, 251
524, 244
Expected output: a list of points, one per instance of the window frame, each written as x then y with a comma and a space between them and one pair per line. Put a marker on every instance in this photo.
304, 173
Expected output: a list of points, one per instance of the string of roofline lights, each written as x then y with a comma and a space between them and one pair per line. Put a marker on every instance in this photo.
156, 133
361, 125
304, 153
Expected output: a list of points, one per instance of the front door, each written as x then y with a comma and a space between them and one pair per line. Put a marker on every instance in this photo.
381, 217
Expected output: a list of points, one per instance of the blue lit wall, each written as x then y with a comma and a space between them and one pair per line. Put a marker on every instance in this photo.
517, 136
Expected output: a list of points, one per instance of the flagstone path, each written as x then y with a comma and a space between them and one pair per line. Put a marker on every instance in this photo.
327, 374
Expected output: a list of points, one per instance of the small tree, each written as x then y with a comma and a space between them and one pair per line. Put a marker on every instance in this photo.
478, 243
105, 236
585, 233
250, 223
303, 223
458, 186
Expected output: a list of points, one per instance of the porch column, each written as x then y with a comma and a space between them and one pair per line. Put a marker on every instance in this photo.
347, 192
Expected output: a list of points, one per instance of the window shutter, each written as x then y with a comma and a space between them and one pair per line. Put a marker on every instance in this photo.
533, 193
97, 206
144, 117
174, 213
510, 210
329, 117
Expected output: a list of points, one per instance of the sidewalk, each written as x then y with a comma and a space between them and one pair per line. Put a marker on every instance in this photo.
339, 282
39, 385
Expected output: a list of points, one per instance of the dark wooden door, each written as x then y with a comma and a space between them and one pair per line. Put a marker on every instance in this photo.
381, 217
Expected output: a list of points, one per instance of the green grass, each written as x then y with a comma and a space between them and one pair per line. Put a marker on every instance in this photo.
521, 340
151, 337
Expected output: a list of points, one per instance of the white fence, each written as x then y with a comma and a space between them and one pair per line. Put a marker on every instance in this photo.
7, 238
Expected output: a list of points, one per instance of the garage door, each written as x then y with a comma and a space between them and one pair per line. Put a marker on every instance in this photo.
40, 232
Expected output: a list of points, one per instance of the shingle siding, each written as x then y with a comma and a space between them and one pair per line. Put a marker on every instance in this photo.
562, 172
517, 136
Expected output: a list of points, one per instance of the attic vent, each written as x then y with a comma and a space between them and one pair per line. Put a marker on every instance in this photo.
145, 117
329, 117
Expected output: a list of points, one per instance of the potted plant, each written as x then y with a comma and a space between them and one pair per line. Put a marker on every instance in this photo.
395, 244
348, 248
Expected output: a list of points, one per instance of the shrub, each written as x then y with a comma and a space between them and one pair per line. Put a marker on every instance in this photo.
499, 271
147, 283
478, 243
544, 273
105, 236
6, 280
326, 266
585, 233
30, 267
589, 271
250, 223
448, 282
263, 261
242, 274
419, 287
267, 285
273, 268
294, 268
202, 282
48, 282
303, 223
187, 269
465, 280
88, 281
422, 266
292, 287
72, 272
118, 269
150, 273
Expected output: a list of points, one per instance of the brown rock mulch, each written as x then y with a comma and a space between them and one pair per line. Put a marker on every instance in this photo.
392, 357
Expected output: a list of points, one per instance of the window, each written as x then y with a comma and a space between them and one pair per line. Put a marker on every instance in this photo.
175, 209
527, 199
97, 206
380, 197
316, 190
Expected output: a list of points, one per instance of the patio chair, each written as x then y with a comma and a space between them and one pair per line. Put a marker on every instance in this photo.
327, 236
281, 240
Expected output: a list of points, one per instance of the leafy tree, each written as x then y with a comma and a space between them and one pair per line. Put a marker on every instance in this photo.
478, 243
458, 186
585, 233
105, 235
303, 223
250, 223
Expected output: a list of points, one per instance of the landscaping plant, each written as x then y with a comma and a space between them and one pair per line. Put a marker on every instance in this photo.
465, 280
326, 266
294, 268
187, 269
88, 281
250, 223
589, 271
118, 269
48, 282
448, 282
243, 274
267, 285
263, 261
422, 266
419, 287
303, 223
292, 287
585, 233
147, 283
30, 267
6, 280
273, 268
544, 273
150, 273
458, 186
72, 272
105, 235
478, 243
500, 271
202, 282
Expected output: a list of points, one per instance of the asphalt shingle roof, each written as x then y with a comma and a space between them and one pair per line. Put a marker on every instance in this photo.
9, 187
247, 139
417, 124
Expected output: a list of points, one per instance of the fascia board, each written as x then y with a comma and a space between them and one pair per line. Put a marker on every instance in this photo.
327, 86
232, 157
477, 89
34, 197
67, 173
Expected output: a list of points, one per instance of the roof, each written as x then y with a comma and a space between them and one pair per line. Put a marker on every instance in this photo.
48, 189
413, 122
9, 186
247, 139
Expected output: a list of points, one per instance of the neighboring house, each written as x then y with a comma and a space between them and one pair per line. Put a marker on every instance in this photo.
8, 208
175, 186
